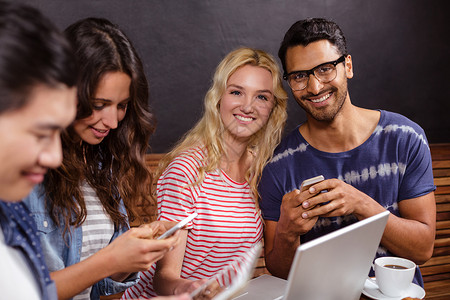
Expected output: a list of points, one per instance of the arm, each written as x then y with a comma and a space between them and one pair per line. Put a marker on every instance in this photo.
175, 201
278, 252
282, 238
167, 280
158, 228
418, 216
131, 252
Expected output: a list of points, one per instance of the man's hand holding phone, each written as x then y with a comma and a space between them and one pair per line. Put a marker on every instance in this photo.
306, 184
292, 222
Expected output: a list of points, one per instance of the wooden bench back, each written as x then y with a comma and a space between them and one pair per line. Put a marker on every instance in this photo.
436, 271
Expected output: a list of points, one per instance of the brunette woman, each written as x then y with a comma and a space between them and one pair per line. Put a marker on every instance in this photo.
82, 208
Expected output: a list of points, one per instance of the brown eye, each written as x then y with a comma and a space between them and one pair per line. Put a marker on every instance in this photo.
326, 69
98, 105
299, 76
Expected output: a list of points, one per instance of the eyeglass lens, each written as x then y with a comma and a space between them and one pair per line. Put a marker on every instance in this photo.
324, 73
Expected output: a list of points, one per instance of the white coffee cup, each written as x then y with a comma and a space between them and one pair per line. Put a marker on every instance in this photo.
394, 281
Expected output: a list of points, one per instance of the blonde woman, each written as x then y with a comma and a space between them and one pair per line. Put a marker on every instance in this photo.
214, 171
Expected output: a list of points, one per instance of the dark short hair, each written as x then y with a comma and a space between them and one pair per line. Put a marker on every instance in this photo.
310, 30
32, 52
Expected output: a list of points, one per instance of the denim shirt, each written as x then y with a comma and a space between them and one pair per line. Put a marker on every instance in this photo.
63, 252
19, 231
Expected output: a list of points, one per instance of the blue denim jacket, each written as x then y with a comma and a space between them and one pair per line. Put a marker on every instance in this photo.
20, 233
63, 252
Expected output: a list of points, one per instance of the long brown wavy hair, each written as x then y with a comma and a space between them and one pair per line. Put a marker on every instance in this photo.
115, 168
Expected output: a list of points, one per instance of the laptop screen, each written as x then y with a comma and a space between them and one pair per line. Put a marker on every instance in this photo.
336, 265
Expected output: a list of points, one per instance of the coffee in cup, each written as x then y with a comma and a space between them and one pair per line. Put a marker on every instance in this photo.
394, 267
394, 275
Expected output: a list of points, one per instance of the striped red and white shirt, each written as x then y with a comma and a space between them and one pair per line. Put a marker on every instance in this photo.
228, 223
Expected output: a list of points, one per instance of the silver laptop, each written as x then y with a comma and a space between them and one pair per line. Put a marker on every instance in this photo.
334, 266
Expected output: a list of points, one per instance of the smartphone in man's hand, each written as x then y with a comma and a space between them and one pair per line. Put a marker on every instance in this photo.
306, 184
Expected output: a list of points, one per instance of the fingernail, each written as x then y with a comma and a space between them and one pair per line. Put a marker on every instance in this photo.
304, 215
312, 190
305, 204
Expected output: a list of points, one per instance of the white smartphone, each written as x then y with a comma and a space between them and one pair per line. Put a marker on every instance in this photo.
309, 182
177, 227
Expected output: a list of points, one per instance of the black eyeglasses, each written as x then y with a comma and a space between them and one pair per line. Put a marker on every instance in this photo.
326, 72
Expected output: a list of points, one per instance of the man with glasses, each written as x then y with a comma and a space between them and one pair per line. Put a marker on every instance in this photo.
372, 160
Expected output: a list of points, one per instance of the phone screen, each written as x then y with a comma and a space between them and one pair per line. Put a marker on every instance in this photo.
177, 227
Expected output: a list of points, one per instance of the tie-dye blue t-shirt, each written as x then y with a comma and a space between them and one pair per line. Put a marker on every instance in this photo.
394, 164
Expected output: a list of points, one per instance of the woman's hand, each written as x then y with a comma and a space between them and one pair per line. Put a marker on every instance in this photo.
136, 249
159, 227
188, 286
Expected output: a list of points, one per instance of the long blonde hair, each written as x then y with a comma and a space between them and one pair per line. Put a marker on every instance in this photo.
208, 132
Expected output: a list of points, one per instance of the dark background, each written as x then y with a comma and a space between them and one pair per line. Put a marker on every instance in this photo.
400, 51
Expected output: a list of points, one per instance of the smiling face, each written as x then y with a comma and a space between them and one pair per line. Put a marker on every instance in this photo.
320, 101
247, 102
109, 108
31, 139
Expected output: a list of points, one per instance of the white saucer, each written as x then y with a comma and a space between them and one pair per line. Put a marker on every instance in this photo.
371, 290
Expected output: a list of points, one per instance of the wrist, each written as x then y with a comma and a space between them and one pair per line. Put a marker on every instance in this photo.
107, 261
285, 238
367, 208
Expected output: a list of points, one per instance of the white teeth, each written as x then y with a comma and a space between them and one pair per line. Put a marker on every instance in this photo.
244, 119
321, 98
